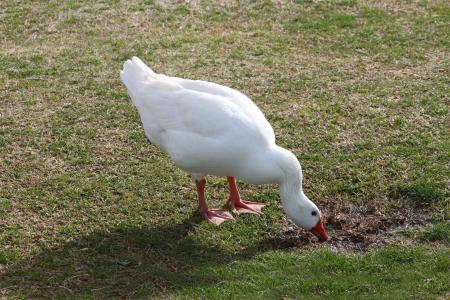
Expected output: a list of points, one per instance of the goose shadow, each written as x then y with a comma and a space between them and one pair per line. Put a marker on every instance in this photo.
127, 262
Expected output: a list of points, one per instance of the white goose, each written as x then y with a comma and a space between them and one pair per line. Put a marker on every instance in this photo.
207, 128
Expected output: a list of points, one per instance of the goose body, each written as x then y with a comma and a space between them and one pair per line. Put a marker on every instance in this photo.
210, 129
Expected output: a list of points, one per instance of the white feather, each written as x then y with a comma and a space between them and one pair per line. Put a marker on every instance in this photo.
207, 128
203, 126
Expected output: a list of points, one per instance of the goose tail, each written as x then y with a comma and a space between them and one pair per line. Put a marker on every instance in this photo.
134, 75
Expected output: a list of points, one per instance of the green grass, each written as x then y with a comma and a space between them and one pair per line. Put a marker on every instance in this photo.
438, 232
168, 262
422, 193
358, 90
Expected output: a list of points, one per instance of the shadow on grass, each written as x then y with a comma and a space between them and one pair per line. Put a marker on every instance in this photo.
126, 262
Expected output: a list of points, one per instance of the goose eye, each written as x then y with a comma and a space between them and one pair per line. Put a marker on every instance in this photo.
314, 213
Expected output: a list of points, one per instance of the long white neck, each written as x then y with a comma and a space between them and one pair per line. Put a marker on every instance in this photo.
295, 203
290, 167
291, 191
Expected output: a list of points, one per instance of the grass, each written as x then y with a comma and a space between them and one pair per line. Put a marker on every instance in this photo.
358, 90
439, 232
421, 192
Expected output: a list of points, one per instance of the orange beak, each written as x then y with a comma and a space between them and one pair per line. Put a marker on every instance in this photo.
320, 231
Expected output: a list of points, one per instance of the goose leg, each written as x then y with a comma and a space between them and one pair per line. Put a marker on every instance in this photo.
213, 215
238, 205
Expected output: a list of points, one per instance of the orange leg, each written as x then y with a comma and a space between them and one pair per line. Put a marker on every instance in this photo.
213, 215
240, 206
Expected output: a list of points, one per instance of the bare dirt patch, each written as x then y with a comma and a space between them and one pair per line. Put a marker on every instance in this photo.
353, 228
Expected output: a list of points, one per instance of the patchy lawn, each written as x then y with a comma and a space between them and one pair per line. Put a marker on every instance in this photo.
357, 89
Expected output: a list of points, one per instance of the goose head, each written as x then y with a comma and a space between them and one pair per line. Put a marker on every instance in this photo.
298, 207
305, 214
